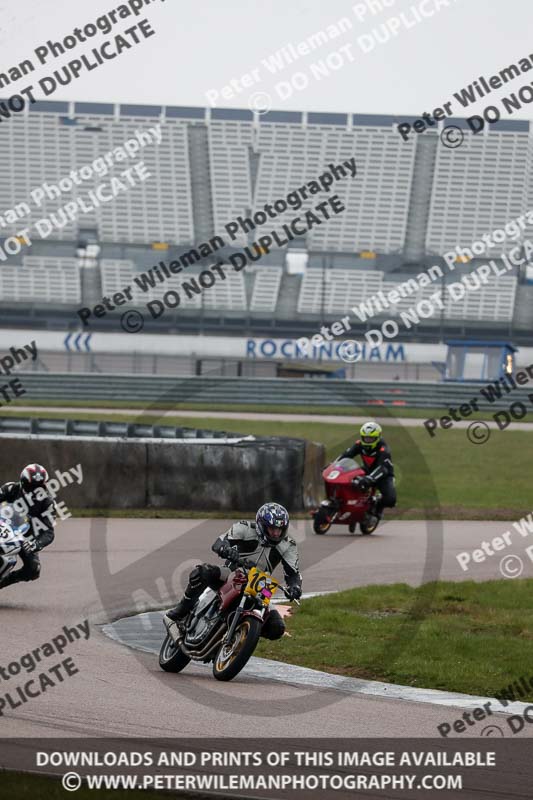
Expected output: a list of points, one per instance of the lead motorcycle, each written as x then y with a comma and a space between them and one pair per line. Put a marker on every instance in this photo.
224, 626
13, 529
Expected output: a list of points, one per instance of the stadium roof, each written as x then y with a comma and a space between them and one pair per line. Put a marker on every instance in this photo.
242, 114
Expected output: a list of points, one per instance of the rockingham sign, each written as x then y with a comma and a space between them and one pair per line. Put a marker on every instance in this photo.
238, 347
235, 347
292, 349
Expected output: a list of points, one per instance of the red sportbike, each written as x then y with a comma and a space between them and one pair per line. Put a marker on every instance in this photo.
346, 503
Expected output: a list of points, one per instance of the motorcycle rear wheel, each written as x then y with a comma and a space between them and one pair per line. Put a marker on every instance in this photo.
171, 656
230, 659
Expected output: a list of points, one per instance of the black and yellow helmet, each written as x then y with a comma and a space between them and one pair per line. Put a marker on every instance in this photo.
370, 434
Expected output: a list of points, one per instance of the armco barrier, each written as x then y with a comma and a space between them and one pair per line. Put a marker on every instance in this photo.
150, 389
158, 473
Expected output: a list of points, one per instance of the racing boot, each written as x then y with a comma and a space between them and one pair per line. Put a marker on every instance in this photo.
376, 509
174, 616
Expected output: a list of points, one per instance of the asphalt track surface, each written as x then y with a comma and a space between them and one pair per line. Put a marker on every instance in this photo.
105, 570
404, 422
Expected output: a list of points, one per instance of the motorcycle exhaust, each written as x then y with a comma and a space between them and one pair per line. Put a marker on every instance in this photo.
173, 632
207, 647
199, 655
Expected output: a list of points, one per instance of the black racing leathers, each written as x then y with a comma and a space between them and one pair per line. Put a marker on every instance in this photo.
379, 468
243, 536
41, 515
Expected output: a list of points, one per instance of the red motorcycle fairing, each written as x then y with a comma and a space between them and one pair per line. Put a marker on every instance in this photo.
349, 503
231, 590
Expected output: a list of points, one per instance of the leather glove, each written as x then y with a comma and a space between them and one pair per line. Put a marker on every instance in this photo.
230, 553
27, 547
362, 483
294, 592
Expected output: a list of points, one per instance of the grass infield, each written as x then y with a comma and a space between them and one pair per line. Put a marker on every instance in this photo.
339, 411
441, 477
474, 638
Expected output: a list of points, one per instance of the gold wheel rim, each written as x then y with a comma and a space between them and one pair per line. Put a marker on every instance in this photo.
224, 662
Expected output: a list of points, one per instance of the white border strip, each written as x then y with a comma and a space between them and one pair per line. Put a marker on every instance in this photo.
281, 672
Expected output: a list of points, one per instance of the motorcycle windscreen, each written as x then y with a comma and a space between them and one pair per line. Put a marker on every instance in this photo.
347, 464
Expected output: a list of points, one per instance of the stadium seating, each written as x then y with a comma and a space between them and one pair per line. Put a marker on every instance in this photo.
54, 281
40, 148
231, 185
215, 164
336, 290
480, 186
226, 295
266, 287
495, 301
249, 165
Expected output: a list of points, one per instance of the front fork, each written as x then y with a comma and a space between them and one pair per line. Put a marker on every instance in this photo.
331, 506
236, 619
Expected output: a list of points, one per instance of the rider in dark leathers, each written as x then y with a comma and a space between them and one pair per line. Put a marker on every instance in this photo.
264, 543
31, 490
377, 463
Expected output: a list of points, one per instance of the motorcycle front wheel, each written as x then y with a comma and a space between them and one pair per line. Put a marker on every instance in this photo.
233, 655
321, 522
171, 656
369, 525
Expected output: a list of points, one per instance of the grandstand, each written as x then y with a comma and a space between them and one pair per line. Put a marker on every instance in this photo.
409, 203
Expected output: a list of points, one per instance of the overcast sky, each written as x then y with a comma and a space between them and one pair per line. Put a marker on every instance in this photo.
201, 46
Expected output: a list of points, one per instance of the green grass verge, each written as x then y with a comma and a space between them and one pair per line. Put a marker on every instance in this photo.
152, 408
474, 637
443, 477
17, 786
